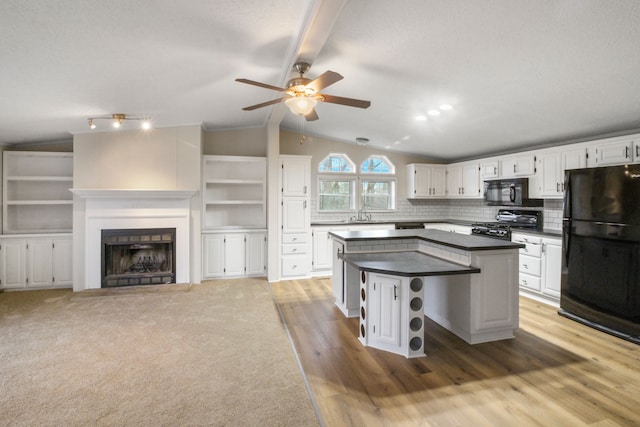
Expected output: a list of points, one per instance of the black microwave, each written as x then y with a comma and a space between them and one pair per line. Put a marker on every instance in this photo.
508, 192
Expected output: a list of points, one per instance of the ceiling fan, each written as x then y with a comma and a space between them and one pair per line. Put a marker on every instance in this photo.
302, 94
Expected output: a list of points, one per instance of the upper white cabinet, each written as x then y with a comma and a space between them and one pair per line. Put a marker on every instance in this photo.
463, 180
616, 151
489, 169
234, 192
425, 180
36, 196
520, 165
296, 176
552, 164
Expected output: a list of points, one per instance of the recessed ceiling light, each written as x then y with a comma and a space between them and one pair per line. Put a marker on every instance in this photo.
421, 118
446, 107
433, 112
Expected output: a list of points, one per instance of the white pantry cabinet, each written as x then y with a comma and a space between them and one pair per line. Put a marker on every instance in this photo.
234, 254
295, 216
36, 262
426, 181
36, 196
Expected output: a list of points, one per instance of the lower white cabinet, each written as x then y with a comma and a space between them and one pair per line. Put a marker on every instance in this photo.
234, 254
36, 262
540, 267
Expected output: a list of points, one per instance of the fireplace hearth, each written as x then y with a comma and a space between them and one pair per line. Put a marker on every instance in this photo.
132, 257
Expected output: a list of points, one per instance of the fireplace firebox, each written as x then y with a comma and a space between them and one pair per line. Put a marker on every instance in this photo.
133, 257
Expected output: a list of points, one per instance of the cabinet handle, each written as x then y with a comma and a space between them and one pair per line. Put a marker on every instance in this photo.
305, 189
495, 170
637, 151
304, 205
525, 266
395, 295
626, 152
557, 187
463, 191
514, 168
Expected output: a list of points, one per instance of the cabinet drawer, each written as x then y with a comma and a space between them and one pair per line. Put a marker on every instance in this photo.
528, 281
294, 248
530, 265
533, 245
295, 265
294, 238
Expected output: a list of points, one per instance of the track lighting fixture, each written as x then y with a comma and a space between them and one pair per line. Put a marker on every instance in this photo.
117, 120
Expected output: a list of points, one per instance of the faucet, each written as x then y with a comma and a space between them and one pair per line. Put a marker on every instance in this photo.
362, 215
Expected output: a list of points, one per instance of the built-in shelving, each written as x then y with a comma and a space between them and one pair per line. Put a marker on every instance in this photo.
36, 196
234, 192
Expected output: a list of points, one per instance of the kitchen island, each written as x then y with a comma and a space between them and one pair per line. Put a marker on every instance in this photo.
392, 278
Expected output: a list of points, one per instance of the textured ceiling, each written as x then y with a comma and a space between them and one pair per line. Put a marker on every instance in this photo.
518, 73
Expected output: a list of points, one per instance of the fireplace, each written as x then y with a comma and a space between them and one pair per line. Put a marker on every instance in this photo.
131, 257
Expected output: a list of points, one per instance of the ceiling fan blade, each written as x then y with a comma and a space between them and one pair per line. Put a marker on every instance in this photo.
264, 104
326, 79
264, 85
312, 116
350, 102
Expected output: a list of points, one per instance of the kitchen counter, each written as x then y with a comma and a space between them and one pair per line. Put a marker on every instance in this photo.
454, 240
407, 264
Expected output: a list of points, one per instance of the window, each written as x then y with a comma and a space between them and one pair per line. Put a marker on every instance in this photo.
339, 163
337, 189
377, 164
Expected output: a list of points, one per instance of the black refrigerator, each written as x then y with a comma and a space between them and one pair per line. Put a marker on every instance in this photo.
601, 249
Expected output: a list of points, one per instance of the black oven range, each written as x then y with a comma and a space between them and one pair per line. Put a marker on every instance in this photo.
506, 220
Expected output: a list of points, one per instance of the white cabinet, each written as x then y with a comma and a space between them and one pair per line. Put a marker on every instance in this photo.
489, 169
391, 313
35, 262
234, 254
424, 181
295, 216
540, 267
233, 192
521, 165
463, 180
36, 196
551, 266
617, 151
552, 164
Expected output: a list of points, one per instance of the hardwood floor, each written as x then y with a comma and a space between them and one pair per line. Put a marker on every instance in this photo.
556, 372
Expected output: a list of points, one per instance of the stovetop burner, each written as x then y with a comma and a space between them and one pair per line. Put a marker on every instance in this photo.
508, 219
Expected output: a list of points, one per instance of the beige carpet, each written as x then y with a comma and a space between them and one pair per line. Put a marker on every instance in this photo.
211, 354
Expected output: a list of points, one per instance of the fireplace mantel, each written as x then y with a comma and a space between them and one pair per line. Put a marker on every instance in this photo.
106, 193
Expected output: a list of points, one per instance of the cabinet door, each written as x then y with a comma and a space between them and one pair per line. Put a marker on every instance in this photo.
234, 254
614, 153
438, 181
471, 180
40, 263
295, 176
454, 181
338, 276
573, 159
294, 215
489, 170
13, 258
550, 180
321, 249
552, 267
62, 262
518, 166
386, 316
419, 181
256, 246
213, 254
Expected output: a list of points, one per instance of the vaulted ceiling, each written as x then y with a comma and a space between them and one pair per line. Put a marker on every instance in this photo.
517, 73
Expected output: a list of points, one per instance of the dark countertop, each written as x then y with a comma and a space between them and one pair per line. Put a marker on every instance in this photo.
408, 264
454, 240
543, 232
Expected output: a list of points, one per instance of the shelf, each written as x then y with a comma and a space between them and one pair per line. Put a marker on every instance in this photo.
39, 178
38, 202
235, 202
235, 181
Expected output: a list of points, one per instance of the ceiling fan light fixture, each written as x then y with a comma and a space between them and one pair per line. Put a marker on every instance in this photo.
301, 105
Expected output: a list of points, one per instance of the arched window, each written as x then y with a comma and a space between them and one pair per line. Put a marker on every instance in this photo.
338, 163
377, 164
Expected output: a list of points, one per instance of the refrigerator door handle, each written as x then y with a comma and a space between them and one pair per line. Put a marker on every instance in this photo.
566, 239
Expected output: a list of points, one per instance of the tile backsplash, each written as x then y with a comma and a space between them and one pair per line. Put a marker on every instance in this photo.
462, 210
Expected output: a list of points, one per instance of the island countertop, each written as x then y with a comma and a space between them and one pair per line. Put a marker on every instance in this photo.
409, 264
454, 240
